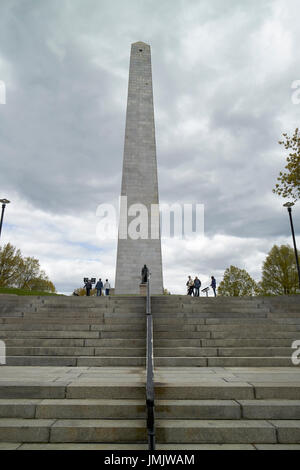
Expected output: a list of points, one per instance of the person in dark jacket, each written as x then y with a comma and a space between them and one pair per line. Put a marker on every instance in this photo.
213, 285
88, 286
197, 285
99, 287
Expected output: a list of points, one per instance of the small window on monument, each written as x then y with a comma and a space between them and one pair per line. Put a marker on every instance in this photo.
141, 50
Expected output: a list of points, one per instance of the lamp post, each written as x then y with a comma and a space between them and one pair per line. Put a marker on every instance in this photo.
4, 202
289, 206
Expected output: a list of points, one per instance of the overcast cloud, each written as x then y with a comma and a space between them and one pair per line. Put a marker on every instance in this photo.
222, 77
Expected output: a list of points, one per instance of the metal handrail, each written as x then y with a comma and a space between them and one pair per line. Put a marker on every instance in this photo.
150, 369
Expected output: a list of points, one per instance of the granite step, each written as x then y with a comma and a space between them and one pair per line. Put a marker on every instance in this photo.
45, 430
52, 334
110, 389
75, 351
202, 361
44, 342
216, 343
77, 446
72, 409
61, 326
134, 431
215, 431
245, 342
80, 361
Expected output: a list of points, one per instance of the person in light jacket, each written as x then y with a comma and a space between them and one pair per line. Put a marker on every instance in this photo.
190, 286
106, 287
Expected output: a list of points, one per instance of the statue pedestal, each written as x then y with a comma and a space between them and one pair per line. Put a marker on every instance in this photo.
143, 289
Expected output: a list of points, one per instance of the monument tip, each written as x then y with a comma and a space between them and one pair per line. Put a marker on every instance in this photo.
140, 43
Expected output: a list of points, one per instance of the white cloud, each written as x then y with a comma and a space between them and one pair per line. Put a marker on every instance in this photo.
67, 246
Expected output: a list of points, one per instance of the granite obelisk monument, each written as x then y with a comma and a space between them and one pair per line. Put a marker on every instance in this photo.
139, 240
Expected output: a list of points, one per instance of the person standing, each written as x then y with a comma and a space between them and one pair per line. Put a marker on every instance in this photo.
99, 287
190, 286
197, 285
88, 286
213, 285
107, 287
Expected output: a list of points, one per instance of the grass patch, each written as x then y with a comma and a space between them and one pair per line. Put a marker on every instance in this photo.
16, 291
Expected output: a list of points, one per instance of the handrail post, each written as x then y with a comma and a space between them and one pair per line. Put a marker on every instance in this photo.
148, 302
149, 367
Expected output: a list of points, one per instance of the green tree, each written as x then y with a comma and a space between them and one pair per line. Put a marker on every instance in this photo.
41, 283
24, 273
29, 270
279, 272
10, 264
289, 181
237, 283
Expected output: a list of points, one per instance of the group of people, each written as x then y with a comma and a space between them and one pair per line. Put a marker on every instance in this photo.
105, 287
100, 287
193, 286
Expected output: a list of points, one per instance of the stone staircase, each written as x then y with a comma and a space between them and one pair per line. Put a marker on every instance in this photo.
78, 372
224, 332
72, 331
223, 373
59, 407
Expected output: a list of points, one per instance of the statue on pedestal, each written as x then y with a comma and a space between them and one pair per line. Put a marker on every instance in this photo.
144, 274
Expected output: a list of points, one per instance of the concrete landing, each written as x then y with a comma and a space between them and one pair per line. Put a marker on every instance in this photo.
215, 408
179, 375
222, 375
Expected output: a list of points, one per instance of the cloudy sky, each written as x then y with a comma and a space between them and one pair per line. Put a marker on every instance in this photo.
222, 77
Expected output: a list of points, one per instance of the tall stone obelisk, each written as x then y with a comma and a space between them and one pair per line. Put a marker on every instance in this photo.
139, 183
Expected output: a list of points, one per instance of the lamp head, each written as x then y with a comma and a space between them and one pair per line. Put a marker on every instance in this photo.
288, 204
4, 201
